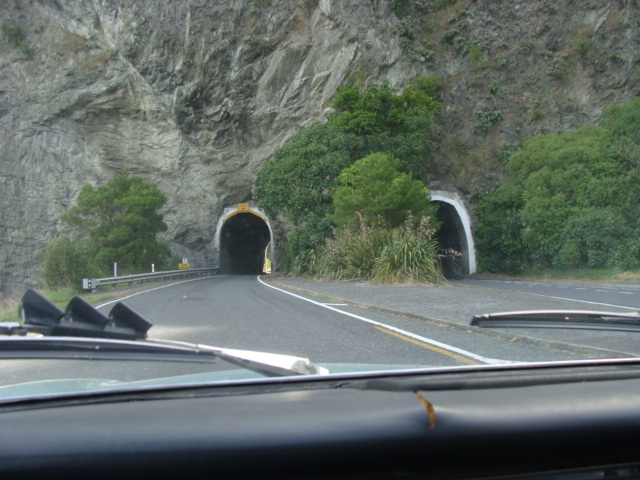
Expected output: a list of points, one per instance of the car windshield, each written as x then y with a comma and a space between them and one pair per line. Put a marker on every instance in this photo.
206, 193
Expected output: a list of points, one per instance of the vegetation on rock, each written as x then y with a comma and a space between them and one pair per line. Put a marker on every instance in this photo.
572, 200
313, 182
118, 222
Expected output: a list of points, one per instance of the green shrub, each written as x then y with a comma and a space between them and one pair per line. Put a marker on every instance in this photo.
449, 35
488, 118
381, 255
594, 62
476, 56
582, 46
15, 34
67, 262
119, 222
527, 46
442, 4
504, 150
375, 188
617, 58
406, 28
571, 202
409, 256
537, 115
556, 71
399, 6
460, 45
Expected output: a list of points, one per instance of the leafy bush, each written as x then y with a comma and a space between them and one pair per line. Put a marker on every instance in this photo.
527, 46
582, 46
572, 200
498, 233
596, 238
477, 57
406, 28
556, 71
398, 6
537, 115
375, 188
488, 118
351, 253
504, 150
409, 256
298, 181
67, 261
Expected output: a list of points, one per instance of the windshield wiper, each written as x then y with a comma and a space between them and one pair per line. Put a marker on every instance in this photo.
82, 332
80, 348
578, 319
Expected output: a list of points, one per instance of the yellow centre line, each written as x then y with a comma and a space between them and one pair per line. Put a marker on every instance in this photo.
427, 346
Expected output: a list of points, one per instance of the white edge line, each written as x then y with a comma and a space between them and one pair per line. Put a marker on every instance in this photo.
490, 361
157, 288
581, 301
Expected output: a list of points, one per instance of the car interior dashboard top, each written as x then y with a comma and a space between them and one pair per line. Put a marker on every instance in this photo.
555, 422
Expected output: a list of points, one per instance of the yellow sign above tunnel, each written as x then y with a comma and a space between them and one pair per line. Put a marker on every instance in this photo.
243, 207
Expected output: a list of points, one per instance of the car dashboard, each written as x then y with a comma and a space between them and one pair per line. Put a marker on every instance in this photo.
538, 423
552, 422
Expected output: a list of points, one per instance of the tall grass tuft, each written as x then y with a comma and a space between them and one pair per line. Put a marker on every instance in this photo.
404, 255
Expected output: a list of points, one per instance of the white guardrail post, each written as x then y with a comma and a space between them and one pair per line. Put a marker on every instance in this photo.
93, 283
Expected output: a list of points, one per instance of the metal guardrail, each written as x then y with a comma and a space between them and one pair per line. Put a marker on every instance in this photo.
93, 283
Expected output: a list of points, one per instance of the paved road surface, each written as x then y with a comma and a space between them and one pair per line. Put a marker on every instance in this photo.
584, 294
336, 322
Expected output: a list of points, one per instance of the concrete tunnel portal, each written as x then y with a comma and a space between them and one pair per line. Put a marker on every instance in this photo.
242, 239
454, 234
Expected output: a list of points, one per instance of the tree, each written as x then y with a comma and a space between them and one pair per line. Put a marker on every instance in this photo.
572, 200
376, 188
298, 181
119, 223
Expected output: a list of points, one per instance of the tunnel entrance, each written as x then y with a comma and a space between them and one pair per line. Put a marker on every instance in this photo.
451, 245
244, 238
454, 237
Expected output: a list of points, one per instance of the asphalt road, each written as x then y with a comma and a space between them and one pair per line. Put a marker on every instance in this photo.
246, 312
625, 296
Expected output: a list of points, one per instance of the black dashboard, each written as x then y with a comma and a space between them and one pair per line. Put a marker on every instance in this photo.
568, 423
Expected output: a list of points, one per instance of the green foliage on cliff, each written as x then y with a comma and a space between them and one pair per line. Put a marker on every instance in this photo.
572, 200
398, 123
16, 35
118, 222
299, 181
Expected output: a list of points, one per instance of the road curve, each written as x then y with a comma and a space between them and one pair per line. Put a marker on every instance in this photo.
246, 313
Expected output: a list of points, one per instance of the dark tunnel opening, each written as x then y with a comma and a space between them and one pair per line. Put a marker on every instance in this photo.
243, 242
451, 238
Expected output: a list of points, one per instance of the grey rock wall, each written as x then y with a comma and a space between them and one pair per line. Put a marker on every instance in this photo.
195, 95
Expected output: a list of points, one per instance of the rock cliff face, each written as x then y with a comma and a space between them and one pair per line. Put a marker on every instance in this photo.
195, 95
